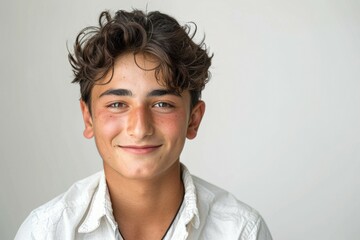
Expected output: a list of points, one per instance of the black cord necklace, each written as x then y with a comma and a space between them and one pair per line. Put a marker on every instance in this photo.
171, 223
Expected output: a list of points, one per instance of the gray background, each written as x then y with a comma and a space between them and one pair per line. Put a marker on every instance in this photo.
282, 127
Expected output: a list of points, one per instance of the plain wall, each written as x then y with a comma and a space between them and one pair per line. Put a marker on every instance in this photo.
282, 126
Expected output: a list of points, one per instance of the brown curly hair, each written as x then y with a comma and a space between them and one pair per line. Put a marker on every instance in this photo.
183, 64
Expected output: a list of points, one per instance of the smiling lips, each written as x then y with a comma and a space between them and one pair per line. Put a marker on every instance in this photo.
139, 149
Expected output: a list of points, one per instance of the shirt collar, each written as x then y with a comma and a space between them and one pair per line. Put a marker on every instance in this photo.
191, 212
99, 207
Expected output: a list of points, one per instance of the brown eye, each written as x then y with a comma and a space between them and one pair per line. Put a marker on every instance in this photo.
163, 105
117, 105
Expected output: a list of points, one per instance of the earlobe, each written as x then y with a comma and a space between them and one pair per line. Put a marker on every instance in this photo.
195, 119
88, 131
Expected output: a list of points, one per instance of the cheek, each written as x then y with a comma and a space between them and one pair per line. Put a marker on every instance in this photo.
174, 124
107, 124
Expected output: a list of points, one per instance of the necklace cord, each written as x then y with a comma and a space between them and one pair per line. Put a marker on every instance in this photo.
171, 223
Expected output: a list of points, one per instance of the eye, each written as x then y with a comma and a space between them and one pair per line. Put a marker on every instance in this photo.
163, 105
117, 105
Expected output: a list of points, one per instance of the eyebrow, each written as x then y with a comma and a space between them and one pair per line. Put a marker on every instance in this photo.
162, 92
117, 92
126, 92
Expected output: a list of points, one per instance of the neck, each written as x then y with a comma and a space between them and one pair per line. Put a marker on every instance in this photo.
140, 205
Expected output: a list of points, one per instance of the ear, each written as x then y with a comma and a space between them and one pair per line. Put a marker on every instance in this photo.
88, 132
195, 118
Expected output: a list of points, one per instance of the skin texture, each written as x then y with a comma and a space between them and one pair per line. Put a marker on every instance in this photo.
140, 129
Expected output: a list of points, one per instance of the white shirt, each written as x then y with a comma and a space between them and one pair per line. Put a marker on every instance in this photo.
85, 212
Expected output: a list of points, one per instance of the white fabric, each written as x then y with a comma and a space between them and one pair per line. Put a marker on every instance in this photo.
85, 212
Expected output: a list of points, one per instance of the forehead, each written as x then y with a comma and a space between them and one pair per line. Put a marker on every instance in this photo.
136, 72
132, 69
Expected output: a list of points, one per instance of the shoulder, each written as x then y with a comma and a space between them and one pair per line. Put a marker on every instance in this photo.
222, 210
222, 202
71, 204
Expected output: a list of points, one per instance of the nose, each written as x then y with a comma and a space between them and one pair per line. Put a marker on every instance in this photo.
139, 123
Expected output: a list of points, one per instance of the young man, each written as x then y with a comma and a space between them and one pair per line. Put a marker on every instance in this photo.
141, 78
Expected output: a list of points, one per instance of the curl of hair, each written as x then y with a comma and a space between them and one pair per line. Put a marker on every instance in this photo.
183, 64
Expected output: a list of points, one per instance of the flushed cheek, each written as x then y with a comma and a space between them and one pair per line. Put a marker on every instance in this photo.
173, 124
108, 124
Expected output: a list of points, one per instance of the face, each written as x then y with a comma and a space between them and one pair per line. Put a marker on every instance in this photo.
139, 126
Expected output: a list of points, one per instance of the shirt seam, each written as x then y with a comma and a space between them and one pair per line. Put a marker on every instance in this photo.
253, 230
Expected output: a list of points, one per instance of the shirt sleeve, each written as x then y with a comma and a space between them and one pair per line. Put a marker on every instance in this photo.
26, 229
260, 231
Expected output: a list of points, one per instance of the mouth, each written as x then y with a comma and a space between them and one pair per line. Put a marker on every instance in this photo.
139, 149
